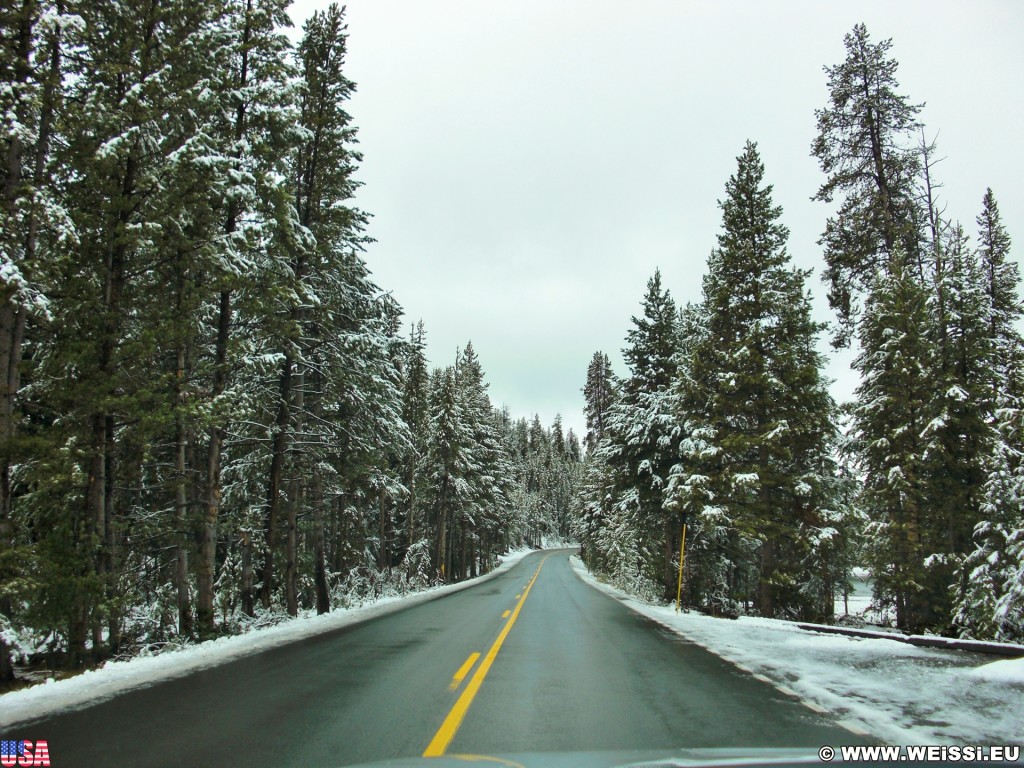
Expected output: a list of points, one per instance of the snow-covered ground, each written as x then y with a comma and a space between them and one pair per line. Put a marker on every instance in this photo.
117, 677
895, 692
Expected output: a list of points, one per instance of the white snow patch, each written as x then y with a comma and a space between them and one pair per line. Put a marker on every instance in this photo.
898, 693
1003, 671
116, 677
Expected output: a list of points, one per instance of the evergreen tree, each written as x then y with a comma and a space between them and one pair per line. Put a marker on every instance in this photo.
415, 413
32, 42
988, 601
888, 422
642, 433
864, 148
479, 524
449, 463
327, 276
988, 597
958, 437
1001, 281
254, 129
753, 393
139, 172
215, 379
599, 393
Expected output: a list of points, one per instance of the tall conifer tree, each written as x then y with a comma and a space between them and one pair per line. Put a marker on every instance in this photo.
866, 150
761, 406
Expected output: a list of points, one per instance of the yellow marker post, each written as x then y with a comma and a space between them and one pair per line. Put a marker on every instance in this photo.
682, 562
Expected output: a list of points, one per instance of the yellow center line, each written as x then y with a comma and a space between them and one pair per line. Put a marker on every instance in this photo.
451, 724
505, 614
463, 671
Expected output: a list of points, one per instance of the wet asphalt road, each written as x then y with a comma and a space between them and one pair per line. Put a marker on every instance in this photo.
576, 670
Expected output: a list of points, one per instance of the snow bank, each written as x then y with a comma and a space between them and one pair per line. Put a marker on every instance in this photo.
1005, 671
118, 677
898, 693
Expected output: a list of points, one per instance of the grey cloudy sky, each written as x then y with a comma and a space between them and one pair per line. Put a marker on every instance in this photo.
529, 163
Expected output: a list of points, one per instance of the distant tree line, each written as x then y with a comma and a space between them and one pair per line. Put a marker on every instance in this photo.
207, 410
725, 421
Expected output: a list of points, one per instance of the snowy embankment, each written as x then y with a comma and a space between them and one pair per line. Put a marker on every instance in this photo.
117, 677
894, 692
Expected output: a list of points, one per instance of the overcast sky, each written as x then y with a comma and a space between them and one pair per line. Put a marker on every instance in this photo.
529, 163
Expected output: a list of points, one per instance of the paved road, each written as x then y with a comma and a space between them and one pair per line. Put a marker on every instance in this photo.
569, 669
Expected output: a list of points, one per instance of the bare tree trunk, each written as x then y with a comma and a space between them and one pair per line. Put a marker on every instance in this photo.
766, 586
323, 598
280, 448
670, 572
12, 328
295, 494
464, 551
383, 552
207, 565
248, 576
442, 519
108, 545
95, 531
411, 522
181, 500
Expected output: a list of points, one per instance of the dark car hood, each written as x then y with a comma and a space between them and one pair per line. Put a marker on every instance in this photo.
667, 758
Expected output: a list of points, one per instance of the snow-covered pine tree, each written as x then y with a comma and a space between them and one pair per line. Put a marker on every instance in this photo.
865, 147
1001, 277
888, 421
592, 505
449, 462
138, 167
958, 436
642, 434
594, 482
415, 413
760, 406
255, 127
988, 596
598, 393
32, 222
572, 446
480, 522
713, 544
336, 321
536, 483
564, 478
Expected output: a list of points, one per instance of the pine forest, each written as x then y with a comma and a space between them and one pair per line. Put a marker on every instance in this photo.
725, 423
212, 415
213, 418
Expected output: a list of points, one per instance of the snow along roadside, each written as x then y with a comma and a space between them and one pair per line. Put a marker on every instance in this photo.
116, 677
894, 692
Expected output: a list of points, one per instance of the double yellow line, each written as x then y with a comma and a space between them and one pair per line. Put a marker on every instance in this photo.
451, 724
